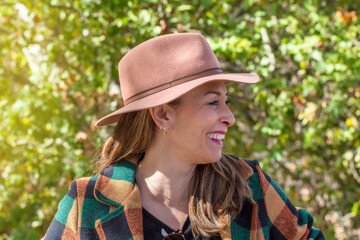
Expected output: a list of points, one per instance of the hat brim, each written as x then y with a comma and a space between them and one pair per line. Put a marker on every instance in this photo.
169, 94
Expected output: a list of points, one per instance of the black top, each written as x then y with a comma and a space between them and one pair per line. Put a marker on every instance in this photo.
154, 229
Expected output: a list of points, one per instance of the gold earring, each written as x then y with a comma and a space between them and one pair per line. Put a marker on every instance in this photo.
165, 130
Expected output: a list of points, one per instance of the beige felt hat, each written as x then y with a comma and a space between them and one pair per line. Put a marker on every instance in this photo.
163, 68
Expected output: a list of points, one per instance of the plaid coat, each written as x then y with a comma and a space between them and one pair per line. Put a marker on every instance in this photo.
108, 206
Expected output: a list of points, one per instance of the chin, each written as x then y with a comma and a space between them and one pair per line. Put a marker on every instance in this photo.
212, 159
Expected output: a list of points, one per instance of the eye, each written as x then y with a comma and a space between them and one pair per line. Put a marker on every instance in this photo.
216, 102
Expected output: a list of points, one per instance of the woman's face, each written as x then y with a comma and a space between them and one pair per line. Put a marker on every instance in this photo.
199, 123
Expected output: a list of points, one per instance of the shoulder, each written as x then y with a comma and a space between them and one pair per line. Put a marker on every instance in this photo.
255, 167
251, 167
83, 200
277, 215
83, 187
79, 196
251, 163
258, 180
79, 190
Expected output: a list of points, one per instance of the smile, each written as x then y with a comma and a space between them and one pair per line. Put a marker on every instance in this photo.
216, 136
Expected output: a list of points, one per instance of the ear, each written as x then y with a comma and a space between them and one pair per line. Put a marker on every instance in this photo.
161, 115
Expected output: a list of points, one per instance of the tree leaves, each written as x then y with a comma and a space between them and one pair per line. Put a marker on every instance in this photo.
59, 68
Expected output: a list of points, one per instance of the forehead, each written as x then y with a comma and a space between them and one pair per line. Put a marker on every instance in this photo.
204, 89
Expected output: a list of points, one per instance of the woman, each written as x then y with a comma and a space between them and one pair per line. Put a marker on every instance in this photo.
162, 172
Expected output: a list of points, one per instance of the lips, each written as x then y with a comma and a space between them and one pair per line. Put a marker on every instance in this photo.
216, 137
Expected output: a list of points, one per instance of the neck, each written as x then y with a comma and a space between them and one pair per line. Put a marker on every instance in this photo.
164, 177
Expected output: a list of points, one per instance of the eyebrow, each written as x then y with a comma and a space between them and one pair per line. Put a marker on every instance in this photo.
215, 92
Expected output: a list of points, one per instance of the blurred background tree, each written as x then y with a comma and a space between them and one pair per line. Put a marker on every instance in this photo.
58, 75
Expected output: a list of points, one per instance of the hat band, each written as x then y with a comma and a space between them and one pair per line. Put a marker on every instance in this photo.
173, 83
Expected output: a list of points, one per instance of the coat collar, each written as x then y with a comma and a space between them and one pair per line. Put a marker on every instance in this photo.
116, 187
117, 182
248, 172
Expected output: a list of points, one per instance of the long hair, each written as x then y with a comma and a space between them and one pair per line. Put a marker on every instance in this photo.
217, 190
131, 136
217, 195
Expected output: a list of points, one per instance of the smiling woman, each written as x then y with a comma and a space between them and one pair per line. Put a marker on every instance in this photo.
198, 125
162, 172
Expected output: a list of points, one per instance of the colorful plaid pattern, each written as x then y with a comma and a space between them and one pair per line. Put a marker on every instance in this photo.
108, 206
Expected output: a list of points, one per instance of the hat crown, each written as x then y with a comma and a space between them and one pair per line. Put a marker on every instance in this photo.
164, 59
166, 67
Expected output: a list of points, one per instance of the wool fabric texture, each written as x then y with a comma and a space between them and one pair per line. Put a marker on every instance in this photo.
108, 206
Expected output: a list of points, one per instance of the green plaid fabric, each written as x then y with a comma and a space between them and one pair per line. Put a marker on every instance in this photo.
108, 206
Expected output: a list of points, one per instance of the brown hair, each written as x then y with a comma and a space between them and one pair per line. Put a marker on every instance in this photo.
218, 189
217, 196
130, 137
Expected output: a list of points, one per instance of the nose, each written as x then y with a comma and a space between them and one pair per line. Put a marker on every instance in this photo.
227, 117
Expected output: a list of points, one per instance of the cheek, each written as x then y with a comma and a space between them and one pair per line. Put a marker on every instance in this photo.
193, 125
191, 133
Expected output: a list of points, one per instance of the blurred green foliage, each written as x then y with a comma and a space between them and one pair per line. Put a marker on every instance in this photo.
58, 75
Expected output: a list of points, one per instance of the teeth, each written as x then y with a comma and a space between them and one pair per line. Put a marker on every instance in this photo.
216, 136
